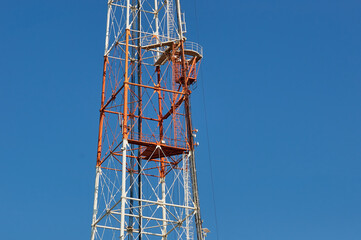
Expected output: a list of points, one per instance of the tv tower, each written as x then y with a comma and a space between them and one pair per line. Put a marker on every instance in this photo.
146, 181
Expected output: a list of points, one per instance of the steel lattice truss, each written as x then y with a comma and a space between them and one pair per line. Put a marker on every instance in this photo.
146, 184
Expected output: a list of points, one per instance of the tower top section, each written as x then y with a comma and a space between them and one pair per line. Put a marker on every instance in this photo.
154, 25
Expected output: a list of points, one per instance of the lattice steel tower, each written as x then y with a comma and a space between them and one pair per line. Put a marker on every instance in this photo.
146, 183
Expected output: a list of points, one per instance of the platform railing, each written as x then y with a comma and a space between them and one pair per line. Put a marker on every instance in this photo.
195, 47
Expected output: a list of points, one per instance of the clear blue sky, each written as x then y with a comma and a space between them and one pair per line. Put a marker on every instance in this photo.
282, 83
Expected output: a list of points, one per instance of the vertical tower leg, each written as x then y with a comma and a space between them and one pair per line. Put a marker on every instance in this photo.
124, 173
164, 210
195, 196
125, 125
186, 195
95, 206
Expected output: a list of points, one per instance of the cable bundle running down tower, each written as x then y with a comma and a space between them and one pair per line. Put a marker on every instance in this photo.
146, 183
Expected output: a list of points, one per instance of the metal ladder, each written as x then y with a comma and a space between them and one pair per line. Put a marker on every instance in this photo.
170, 19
